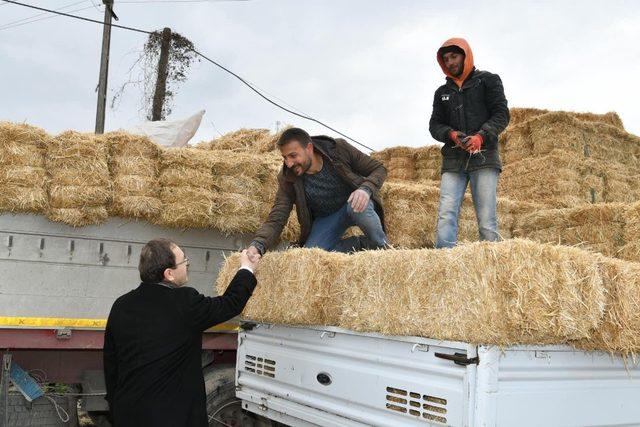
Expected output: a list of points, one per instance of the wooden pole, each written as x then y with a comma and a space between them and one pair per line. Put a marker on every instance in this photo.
104, 67
161, 82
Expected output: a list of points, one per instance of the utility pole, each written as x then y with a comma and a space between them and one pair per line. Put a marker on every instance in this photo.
104, 65
161, 82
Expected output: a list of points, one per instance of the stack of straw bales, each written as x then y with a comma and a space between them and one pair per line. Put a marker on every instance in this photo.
507, 293
612, 229
186, 193
134, 170
23, 178
411, 164
242, 181
565, 131
80, 184
562, 180
412, 210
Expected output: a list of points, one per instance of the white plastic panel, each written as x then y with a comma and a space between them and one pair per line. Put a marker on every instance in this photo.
557, 386
368, 379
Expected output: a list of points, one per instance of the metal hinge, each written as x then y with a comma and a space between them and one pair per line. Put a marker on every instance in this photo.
63, 334
459, 358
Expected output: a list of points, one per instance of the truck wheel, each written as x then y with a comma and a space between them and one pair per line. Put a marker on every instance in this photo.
223, 407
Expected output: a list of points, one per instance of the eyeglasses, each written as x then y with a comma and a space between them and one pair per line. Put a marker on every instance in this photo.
184, 261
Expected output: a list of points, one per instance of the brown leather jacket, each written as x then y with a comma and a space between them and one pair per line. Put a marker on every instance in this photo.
354, 167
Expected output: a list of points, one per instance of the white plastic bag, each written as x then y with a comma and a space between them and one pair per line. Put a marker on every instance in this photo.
174, 133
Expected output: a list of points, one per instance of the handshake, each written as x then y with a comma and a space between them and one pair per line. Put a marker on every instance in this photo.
471, 144
250, 258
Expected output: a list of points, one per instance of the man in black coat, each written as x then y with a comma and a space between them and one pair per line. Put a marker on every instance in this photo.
469, 112
153, 340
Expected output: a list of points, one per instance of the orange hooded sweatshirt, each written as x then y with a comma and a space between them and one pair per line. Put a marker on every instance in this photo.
468, 59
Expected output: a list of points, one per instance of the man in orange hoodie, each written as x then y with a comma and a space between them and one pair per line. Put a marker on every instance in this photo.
469, 112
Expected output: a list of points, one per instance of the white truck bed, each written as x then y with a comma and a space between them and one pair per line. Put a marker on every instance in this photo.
333, 377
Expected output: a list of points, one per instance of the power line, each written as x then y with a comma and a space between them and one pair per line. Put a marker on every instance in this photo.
38, 14
303, 116
82, 18
275, 103
7, 27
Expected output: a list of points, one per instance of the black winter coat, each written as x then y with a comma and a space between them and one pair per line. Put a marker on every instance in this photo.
152, 351
478, 107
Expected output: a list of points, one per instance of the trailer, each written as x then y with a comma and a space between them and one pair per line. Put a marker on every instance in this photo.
327, 376
57, 285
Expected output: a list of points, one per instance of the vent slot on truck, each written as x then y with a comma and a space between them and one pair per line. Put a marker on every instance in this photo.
420, 405
260, 366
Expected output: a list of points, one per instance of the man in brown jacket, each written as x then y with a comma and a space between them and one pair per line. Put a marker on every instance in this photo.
333, 186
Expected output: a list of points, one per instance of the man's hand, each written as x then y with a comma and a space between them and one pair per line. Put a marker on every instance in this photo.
253, 253
457, 137
249, 261
359, 200
473, 143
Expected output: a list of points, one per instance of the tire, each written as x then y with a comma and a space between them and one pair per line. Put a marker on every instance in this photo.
223, 407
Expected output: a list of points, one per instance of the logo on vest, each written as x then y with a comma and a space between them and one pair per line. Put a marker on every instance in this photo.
445, 97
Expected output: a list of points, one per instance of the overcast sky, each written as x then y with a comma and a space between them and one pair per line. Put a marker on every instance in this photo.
365, 67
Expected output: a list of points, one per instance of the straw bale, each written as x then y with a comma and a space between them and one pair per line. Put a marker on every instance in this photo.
291, 231
562, 130
186, 158
560, 179
619, 329
239, 140
128, 145
241, 185
411, 213
186, 176
599, 227
15, 198
135, 185
70, 196
513, 292
22, 176
401, 163
22, 135
295, 287
122, 165
520, 115
268, 143
135, 207
23, 180
246, 164
71, 145
235, 213
79, 217
186, 207
401, 174
14, 154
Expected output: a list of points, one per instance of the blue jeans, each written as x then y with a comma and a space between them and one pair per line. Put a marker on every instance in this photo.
326, 232
483, 191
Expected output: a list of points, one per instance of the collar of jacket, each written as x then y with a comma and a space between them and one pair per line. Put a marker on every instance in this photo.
325, 145
468, 82
165, 284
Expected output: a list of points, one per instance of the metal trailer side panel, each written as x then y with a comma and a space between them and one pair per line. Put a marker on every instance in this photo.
318, 374
51, 270
556, 386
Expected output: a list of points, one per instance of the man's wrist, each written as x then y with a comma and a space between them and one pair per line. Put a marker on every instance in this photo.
259, 246
366, 189
246, 267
